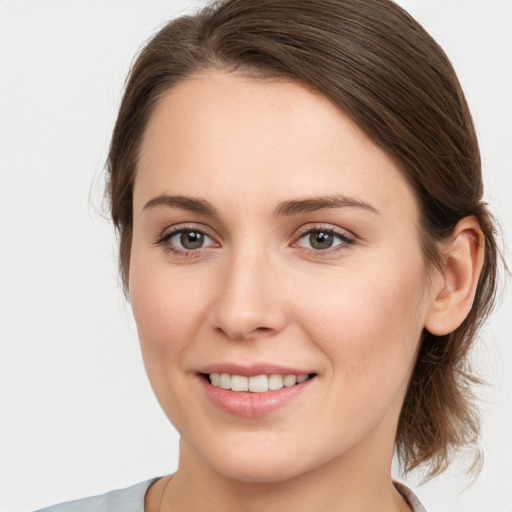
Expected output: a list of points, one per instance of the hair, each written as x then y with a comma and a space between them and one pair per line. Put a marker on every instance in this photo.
383, 70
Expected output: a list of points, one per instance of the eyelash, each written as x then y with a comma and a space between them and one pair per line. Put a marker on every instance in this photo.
346, 240
343, 236
166, 236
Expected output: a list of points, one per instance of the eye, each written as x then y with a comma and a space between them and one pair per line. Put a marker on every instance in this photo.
323, 239
184, 240
189, 240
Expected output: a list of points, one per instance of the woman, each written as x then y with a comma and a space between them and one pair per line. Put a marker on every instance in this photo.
298, 194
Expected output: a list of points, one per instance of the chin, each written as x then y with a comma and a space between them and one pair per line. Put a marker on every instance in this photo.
254, 470
256, 462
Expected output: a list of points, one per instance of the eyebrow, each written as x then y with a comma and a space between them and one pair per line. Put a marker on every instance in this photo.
312, 204
286, 208
183, 202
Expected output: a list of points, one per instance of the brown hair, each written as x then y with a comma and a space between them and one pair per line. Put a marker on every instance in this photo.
382, 69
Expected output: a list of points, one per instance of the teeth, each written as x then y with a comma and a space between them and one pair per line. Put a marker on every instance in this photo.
275, 382
240, 383
257, 384
289, 380
225, 381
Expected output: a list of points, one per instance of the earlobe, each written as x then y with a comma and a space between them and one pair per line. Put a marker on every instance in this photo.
463, 257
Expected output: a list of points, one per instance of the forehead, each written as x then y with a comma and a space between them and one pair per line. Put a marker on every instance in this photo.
230, 134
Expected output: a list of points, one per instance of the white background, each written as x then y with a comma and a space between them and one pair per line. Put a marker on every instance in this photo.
77, 416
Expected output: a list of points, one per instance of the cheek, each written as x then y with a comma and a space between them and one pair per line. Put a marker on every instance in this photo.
168, 312
369, 325
168, 309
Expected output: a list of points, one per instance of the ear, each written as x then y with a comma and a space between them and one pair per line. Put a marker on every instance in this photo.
454, 290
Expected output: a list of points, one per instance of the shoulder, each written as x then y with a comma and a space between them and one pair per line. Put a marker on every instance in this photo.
130, 499
410, 497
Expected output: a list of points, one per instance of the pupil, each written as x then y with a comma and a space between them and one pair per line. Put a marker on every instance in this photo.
321, 240
192, 239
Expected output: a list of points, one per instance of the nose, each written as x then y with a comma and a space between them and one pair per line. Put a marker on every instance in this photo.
248, 304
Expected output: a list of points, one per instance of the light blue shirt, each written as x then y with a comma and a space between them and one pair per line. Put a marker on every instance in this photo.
131, 499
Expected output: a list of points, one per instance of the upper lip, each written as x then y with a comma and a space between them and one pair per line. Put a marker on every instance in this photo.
251, 370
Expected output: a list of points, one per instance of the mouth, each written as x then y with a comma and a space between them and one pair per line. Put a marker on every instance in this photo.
257, 383
258, 393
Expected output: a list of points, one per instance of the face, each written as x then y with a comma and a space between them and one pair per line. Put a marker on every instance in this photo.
272, 238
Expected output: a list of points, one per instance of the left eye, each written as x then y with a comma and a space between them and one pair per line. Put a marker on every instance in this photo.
322, 239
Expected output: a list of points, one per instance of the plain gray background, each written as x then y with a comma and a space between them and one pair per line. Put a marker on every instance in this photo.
77, 415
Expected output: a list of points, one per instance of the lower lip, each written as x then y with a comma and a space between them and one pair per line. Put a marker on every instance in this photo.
248, 405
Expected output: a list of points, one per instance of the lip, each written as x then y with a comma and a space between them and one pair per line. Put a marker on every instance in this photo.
251, 370
246, 404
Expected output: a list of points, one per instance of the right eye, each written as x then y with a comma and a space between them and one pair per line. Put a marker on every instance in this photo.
185, 240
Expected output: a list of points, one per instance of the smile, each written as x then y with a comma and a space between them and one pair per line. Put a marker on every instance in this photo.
262, 390
257, 383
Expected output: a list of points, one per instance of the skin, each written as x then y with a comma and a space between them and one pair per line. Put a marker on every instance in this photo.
256, 292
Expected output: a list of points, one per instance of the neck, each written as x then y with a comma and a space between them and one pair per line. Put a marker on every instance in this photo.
365, 486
